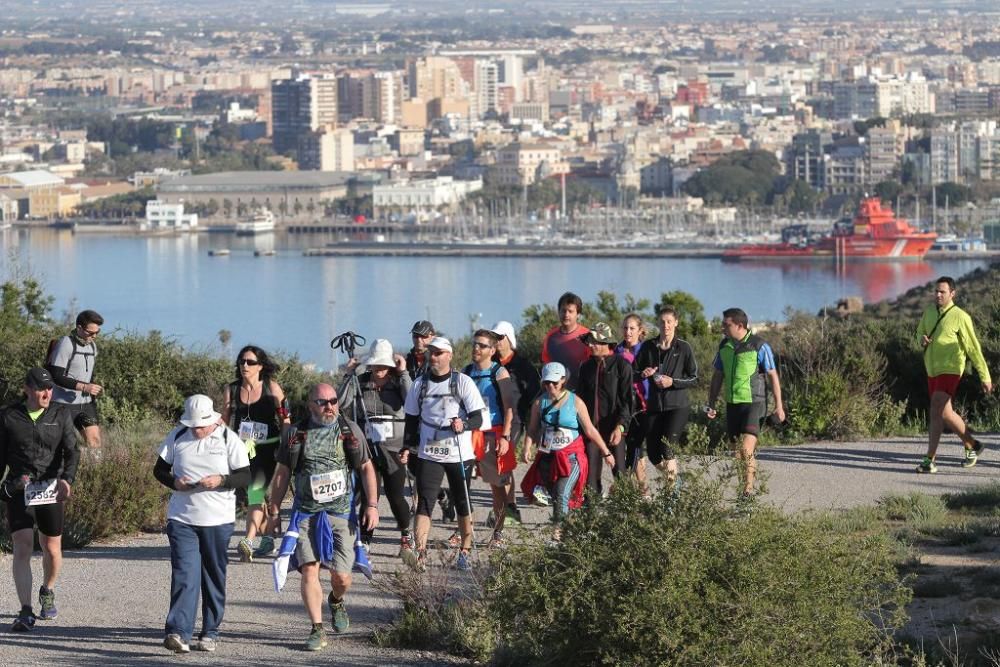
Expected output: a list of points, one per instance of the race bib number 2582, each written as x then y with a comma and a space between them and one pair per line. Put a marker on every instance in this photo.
40, 493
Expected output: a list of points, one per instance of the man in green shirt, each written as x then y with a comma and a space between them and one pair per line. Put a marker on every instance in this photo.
948, 338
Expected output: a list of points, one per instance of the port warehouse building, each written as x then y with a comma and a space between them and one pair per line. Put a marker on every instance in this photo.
283, 192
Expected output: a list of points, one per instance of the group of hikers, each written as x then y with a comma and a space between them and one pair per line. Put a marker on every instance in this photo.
400, 425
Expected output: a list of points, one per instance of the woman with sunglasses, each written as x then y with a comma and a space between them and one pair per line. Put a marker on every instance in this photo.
559, 420
255, 408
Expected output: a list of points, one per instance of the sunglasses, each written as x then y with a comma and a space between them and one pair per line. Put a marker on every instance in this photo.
324, 402
481, 346
89, 333
550, 382
248, 362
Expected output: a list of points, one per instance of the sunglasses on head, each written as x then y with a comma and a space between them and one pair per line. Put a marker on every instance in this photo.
323, 402
248, 362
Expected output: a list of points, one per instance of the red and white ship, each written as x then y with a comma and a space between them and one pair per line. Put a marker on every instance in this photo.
874, 234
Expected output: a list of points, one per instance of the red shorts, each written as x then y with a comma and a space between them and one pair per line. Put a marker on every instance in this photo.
946, 382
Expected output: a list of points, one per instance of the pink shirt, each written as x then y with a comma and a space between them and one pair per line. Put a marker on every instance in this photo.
568, 350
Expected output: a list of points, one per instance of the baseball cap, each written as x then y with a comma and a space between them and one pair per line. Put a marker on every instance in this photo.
505, 329
440, 343
38, 378
422, 328
553, 372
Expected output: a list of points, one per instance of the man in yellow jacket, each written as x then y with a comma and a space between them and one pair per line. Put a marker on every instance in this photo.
947, 336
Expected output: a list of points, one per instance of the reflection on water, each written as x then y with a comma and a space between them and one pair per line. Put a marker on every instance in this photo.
296, 304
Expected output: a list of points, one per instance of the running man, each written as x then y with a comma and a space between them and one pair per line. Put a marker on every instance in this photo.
39, 454
947, 337
742, 363
71, 362
564, 343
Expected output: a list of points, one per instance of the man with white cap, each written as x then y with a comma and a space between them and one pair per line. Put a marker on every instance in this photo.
442, 409
523, 372
202, 461
39, 453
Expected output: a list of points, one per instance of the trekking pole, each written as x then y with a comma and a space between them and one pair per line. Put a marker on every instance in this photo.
468, 502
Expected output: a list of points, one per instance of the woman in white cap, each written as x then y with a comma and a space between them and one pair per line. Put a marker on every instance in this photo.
383, 385
559, 420
202, 461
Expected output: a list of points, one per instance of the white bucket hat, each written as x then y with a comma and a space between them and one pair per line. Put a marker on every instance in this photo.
380, 354
505, 329
199, 411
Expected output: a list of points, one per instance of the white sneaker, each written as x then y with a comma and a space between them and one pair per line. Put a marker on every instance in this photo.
206, 644
174, 643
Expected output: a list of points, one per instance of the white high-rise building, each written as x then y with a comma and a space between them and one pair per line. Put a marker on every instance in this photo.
486, 98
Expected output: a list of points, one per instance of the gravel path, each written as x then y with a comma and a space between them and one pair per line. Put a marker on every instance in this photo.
113, 598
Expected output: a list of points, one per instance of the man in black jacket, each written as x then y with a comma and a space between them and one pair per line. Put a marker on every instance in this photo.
39, 453
669, 365
605, 385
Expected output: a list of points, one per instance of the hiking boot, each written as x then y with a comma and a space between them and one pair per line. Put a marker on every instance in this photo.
266, 547
208, 644
463, 562
317, 638
245, 549
541, 496
497, 541
405, 545
47, 602
173, 642
927, 466
513, 513
341, 621
24, 621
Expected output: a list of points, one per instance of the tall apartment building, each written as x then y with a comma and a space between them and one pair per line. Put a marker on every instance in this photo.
433, 77
301, 105
486, 99
897, 97
881, 154
327, 149
511, 73
805, 157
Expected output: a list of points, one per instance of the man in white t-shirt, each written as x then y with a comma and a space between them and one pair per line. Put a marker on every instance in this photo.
203, 462
442, 408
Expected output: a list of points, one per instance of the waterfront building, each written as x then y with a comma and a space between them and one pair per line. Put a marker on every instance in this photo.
163, 216
286, 193
421, 200
301, 105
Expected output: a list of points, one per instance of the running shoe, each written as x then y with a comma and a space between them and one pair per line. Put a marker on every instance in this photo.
317, 638
927, 466
497, 541
455, 540
341, 621
463, 562
405, 544
47, 601
972, 454
266, 547
541, 496
513, 513
208, 644
24, 621
173, 642
245, 549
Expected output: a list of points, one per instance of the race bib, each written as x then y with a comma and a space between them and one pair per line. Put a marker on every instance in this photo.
40, 493
554, 439
328, 486
250, 430
378, 431
441, 450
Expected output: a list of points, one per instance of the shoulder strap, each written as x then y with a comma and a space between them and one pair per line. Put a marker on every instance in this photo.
181, 432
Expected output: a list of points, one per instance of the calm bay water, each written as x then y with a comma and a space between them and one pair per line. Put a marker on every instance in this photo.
296, 304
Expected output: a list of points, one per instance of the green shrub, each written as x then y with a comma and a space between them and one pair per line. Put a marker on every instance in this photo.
916, 508
118, 493
680, 582
986, 497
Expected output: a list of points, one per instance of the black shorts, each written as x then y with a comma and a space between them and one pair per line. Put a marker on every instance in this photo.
429, 476
48, 518
83, 415
664, 429
743, 419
